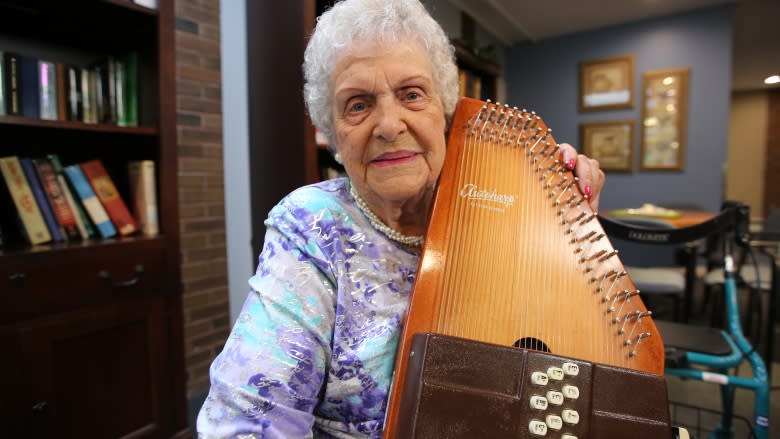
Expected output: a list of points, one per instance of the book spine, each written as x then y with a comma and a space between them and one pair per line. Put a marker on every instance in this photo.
121, 93
13, 101
62, 91
90, 201
143, 192
62, 210
151, 4
107, 193
82, 220
40, 197
131, 88
29, 81
87, 96
74, 94
27, 208
2, 84
47, 88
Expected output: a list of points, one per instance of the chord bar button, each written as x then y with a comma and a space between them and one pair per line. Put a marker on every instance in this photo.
538, 402
539, 378
537, 428
571, 392
555, 398
555, 373
554, 422
570, 417
571, 369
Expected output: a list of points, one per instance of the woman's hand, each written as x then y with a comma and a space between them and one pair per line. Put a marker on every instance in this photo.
588, 171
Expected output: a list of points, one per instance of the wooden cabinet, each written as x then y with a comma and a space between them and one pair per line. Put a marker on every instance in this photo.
91, 330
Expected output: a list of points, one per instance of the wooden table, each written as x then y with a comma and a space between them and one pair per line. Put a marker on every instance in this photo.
685, 219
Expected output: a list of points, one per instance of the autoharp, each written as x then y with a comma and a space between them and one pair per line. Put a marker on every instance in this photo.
515, 256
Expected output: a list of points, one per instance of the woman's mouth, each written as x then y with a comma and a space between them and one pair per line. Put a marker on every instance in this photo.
394, 158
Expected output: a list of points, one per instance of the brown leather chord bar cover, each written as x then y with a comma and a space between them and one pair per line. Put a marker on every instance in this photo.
459, 388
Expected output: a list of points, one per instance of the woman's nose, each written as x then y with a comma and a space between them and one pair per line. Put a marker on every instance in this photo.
390, 123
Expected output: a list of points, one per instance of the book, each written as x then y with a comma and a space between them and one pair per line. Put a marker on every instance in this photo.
107, 193
88, 96
40, 197
29, 86
151, 4
33, 224
61, 73
74, 109
2, 84
63, 213
143, 194
90, 201
82, 220
47, 90
131, 88
105, 91
121, 94
11, 79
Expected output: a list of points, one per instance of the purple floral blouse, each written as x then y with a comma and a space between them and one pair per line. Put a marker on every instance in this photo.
312, 352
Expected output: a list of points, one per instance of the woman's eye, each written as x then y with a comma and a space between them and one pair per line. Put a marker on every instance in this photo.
357, 107
412, 96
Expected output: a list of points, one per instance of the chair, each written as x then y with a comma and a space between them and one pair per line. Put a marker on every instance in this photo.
708, 354
661, 271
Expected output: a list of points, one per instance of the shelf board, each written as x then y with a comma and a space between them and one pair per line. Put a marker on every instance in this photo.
467, 59
53, 248
78, 126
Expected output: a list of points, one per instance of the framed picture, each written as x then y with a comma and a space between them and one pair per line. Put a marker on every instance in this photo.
664, 119
607, 84
610, 142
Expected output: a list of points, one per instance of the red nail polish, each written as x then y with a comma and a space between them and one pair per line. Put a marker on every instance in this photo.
588, 192
570, 164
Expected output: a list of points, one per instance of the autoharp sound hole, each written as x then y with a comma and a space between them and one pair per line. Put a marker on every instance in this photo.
532, 343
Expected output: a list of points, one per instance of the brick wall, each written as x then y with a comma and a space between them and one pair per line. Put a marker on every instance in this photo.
201, 187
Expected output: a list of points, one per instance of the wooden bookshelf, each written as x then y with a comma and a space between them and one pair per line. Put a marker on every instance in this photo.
92, 329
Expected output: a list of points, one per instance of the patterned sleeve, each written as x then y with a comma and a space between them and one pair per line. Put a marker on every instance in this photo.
267, 380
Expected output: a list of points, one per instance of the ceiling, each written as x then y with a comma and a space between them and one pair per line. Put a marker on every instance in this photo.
756, 31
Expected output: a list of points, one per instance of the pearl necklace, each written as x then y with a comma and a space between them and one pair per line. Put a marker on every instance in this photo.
411, 241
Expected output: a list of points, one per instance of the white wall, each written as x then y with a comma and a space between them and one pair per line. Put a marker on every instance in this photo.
235, 138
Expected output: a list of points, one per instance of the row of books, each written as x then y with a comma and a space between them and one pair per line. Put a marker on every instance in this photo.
106, 92
470, 84
57, 203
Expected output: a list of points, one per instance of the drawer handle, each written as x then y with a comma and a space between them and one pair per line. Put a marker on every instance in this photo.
40, 408
16, 278
139, 269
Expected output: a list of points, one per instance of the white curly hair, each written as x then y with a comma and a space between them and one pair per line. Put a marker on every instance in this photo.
367, 21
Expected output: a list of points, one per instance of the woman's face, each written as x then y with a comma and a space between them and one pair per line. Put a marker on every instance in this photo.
389, 121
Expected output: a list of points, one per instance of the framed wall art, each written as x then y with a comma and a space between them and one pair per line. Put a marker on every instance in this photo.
664, 119
607, 84
609, 142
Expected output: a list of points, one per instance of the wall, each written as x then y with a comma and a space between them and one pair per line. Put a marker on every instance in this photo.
544, 77
201, 187
236, 150
747, 148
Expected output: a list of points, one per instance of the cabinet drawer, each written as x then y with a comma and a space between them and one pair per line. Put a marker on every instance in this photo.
72, 277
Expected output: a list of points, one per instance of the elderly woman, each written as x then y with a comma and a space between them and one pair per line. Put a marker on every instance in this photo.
312, 352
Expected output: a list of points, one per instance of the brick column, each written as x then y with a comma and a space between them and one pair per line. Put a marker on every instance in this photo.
201, 187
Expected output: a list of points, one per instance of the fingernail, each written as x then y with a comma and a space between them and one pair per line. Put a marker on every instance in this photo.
588, 192
570, 164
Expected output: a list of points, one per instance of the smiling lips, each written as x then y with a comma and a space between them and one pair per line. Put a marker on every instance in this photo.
394, 158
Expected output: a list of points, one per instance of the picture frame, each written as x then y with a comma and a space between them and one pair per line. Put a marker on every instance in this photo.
609, 142
607, 83
664, 119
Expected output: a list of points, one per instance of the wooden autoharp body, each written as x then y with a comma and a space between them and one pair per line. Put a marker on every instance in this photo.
514, 255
